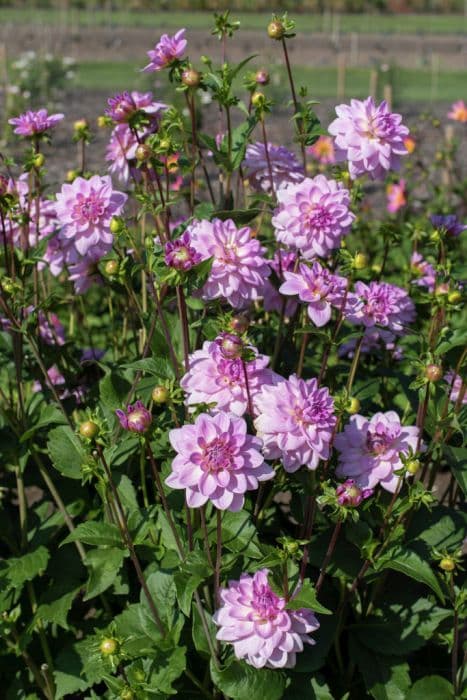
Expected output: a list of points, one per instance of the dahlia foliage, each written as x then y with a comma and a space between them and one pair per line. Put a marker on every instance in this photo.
233, 395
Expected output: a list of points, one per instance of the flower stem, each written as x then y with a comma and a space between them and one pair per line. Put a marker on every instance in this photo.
217, 573
329, 553
295, 101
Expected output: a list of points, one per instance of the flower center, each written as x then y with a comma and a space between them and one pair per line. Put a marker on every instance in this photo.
231, 370
217, 456
89, 209
317, 216
265, 603
379, 441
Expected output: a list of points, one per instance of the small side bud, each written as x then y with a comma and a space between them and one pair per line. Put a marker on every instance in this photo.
108, 646
71, 175
160, 394
39, 160
80, 125
447, 564
412, 466
143, 152
353, 406
276, 29
116, 225
88, 429
360, 261
111, 268
239, 324
262, 77
191, 77
433, 373
454, 297
257, 99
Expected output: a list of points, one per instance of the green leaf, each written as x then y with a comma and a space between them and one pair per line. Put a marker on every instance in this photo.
431, 688
440, 528
243, 682
157, 366
21, 569
241, 217
411, 564
457, 338
56, 611
50, 415
104, 565
306, 598
457, 457
239, 534
96, 533
66, 452
385, 678
78, 667
198, 633
166, 668
161, 586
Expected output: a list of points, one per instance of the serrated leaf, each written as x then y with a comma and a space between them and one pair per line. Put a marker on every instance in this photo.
66, 452
407, 562
21, 569
306, 598
104, 565
431, 688
96, 533
50, 415
243, 682
239, 534
386, 678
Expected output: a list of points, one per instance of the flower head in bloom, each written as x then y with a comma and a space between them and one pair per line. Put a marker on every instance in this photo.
34, 123
283, 261
318, 288
295, 421
180, 254
396, 196
50, 327
370, 450
136, 418
215, 378
323, 150
449, 223
350, 494
126, 104
285, 167
121, 150
458, 111
457, 385
166, 51
56, 379
313, 216
217, 461
371, 138
426, 274
85, 209
239, 267
255, 621
384, 304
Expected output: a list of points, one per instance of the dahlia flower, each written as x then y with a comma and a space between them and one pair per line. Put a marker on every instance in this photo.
213, 378
295, 421
284, 166
383, 304
313, 216
323, 150
124, 105
85, 209
121, 150
350, 494
370, 450
57, 380
396, 198
458, 112
166, 51
255, 621
217, 461
318, 288
371, 138
239, 267
456, 382
34, 123
450, 223
426, 274
180, 254
136, 418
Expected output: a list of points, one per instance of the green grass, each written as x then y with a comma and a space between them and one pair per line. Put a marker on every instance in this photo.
408, 85
364, 23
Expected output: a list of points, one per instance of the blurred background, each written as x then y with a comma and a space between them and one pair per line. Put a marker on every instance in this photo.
72, 55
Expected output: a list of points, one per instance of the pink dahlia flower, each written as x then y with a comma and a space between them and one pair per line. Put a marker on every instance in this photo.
295, 421
456, 383
85, 209
215, 379
284, 166
371, 138
458, 112
126, 104
426, 274
166, 51
318, 288
255, 621
370, 450
217, 461
313, 216
396, 196
350, 495
180, 254
383, 304
239, 267
323, 150
121, 153
136, 418
34, 123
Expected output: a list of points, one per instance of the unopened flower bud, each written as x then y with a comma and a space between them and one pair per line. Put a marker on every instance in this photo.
116, 224
360, 261
165, 144
412, 466
191, 77
143, 152
231, 346
353, 406
71, 175
160, 394
276, 29
39, 160
262, 77
239, 324
257, 99
447, 564
127, 694
454, 297
80, 125
136, 419
350, 494
108, 646
433, 373
442, 289
111, 268
88, 429
101, 122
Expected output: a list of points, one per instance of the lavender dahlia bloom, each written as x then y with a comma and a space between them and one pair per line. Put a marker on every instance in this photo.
215, 379
450, 223
370, 450
217, 461
124, 105
85, 209
121, 151
383, 304
34, 123
284, 166
166, 51
318, 288
313, 216
296, 421
254, 620
426, 274
456, 382
239, 267
180, 254
371, 138
136, 419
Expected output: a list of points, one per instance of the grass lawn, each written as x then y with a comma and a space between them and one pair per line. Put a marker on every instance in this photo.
408, 85
364, 23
